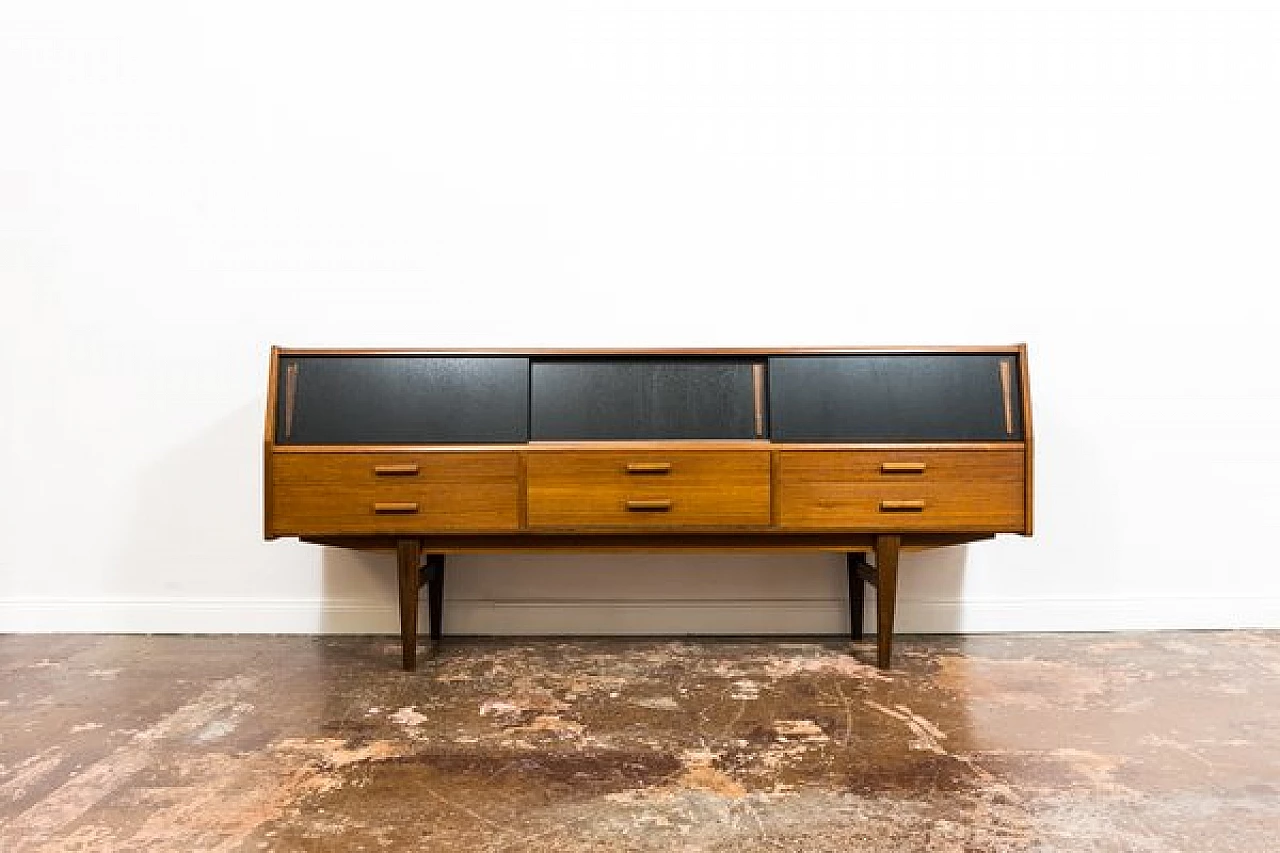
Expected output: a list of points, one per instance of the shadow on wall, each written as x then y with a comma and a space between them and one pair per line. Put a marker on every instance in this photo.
601, 594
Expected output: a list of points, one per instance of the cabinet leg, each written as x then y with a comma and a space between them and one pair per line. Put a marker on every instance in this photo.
886, 595
433, 576
854, 562
408, 556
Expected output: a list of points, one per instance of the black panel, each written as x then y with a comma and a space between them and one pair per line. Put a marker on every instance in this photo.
403, 400
640, 398
893, 398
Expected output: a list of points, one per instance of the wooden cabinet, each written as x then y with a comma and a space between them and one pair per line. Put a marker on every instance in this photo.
859, 451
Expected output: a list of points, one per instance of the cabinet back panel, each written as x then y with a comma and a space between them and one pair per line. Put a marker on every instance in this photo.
402, 400
641, 398
952, 397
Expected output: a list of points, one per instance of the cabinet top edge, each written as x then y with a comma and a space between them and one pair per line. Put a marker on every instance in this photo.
653, 351
656, 445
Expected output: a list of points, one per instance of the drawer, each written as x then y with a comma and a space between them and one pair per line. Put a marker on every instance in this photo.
487, 466
992, 506
387, 493
962, 465
648, 489
974, 490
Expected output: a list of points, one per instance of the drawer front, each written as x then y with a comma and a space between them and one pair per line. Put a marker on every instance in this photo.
648, 489
905, 466
901, 490
384, 493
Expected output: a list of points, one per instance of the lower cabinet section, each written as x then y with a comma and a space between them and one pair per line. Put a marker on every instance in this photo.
648, 489
481, 491
386, 493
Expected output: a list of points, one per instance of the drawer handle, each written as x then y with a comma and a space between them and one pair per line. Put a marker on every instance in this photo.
395, 507
290, 396
648, 467
901, 467
408, 469
649, 506
901, 506
1006, 393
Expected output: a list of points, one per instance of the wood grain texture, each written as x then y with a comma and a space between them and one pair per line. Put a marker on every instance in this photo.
976, 506
703, 488
342, 493
906, 466
362, 469
650, 351
408, 559
652, 542
887, 548
268, 445
850, 489
1028, 433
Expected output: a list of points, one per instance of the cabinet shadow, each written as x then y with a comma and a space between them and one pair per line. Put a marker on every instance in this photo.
588, 593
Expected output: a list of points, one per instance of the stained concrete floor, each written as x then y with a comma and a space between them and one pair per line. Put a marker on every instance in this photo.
1124, 742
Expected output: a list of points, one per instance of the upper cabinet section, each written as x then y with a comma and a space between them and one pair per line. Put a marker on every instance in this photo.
896, 397
374, 399
390, 397
642, 398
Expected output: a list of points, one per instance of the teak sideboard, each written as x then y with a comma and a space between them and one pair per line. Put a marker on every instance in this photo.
862, 451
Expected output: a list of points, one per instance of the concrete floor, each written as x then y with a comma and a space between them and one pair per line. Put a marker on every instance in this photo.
1122, 742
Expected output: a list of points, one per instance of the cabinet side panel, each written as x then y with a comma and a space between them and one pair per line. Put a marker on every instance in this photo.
1024, 385
268, 443
934, 397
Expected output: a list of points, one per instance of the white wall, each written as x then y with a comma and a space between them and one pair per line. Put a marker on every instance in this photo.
183, 184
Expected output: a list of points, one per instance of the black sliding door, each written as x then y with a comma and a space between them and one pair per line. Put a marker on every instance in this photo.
951, 397
402, 399
641, 398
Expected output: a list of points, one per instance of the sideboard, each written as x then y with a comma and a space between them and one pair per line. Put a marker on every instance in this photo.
860, 451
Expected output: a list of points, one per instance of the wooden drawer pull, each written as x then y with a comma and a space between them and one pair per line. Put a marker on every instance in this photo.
408, 469
901, 467
395, 507
1006, 392
648, 467
901, 506
649, 506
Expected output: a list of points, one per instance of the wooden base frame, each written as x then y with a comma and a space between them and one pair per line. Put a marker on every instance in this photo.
417, 569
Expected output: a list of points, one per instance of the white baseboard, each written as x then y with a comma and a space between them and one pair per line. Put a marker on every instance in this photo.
600, 617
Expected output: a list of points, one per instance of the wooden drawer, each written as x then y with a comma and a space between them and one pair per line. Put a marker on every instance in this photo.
346, 493
978, 490
906, 466
648, 489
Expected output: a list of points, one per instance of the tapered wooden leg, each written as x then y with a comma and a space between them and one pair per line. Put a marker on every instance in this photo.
408, 556
886, 595
857, 592
435, 594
